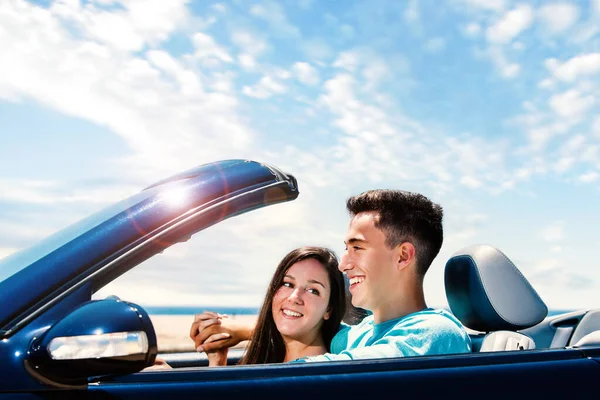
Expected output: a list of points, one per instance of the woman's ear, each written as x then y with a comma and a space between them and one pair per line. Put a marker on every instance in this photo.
327, 314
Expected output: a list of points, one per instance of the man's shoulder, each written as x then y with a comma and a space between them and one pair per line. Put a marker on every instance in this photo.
437, 330
364, 325
431, 318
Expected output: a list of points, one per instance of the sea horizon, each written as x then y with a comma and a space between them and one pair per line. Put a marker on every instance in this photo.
230, 310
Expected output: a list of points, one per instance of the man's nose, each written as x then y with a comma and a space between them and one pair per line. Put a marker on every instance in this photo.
345, 263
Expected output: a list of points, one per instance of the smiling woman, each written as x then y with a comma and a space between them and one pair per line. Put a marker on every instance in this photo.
301, 312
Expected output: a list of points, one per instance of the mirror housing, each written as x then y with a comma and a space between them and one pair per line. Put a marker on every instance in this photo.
99, 338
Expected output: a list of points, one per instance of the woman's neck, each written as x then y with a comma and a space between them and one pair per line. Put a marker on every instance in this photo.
297, 349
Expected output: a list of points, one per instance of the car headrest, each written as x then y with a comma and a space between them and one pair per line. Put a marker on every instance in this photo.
487, 292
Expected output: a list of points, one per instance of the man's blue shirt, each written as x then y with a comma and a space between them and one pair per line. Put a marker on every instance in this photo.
426, 332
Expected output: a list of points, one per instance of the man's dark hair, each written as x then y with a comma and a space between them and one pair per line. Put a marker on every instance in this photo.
404, 217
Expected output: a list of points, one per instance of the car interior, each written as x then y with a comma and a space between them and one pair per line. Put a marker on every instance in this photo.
488, 294
495, 302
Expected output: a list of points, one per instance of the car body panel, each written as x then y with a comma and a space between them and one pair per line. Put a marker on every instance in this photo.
516, 375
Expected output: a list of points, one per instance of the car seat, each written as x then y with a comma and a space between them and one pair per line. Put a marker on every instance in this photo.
587, 332
489, 294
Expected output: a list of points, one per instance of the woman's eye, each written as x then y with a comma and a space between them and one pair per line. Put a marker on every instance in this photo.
313, 291
288, 284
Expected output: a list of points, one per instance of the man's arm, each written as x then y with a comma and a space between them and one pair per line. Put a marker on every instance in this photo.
383, 348
429, 336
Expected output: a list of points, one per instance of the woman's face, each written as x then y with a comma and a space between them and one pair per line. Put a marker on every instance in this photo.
300, 304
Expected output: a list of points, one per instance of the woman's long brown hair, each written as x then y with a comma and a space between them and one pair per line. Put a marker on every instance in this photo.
266, 344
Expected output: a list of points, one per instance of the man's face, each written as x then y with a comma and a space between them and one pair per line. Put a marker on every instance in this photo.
368, 262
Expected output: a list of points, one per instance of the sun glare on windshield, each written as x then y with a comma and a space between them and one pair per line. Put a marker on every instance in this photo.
176, 197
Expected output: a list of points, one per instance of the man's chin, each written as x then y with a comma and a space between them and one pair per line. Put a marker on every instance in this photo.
357, 303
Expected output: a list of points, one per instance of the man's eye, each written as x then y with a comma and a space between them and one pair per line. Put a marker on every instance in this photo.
356, 248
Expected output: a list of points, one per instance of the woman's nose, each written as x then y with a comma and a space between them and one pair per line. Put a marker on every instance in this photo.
296, 295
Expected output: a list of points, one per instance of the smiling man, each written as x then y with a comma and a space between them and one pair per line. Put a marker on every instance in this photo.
392, 239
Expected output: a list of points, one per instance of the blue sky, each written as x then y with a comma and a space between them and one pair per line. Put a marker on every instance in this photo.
489, 107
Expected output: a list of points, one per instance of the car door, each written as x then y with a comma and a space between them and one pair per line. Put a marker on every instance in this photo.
515, 375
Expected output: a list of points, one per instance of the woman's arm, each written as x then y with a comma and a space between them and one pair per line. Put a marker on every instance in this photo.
209, 330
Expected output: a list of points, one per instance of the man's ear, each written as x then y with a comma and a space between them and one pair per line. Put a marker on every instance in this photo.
405, 255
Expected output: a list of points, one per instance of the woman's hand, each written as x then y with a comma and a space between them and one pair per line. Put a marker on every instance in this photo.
217, 357
211, 325
159, 364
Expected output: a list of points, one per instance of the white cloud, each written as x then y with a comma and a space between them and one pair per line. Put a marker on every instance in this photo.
249, 42
411, 13
506, 68
435, 45
470, 182
316, 49
488, 5
149, 93
538, 137
375, 71
306, 73
574, 145
511, 70
558, 17
577, 67
265, 88
347, 60
137, 24
28, 191
553, 233
472, 30
596, 127
564, 164
547, 84
305, 4
347, 31
518, 46
587, 29
511, 25
206, 48
7, 251
386, 146
219, 7
571, 104
38, 192
275, 16
247, 61
589, 177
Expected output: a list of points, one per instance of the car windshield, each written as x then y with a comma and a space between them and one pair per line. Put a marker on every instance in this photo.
17, 261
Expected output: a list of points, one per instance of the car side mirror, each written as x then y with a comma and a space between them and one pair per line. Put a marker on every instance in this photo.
100, 338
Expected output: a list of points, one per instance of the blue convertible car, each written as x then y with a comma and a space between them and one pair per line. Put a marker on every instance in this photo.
56, 342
